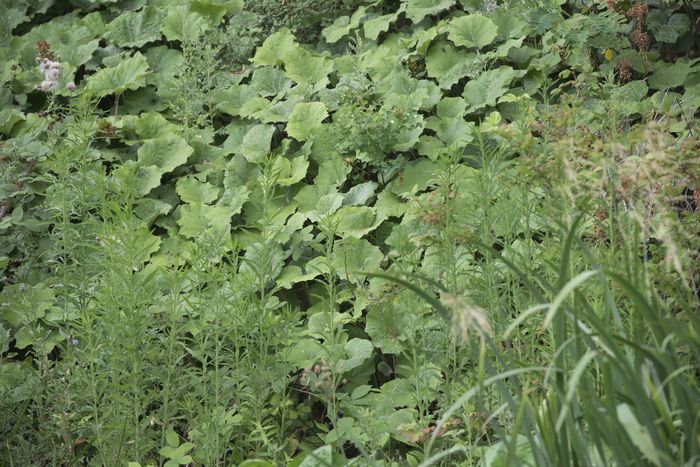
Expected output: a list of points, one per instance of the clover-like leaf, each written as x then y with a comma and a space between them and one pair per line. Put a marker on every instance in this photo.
305, 118
472, 31
127, 74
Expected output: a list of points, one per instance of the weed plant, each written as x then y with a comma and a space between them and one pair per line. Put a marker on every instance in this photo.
222, 247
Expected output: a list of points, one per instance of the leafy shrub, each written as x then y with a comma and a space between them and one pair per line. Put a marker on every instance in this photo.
438, 233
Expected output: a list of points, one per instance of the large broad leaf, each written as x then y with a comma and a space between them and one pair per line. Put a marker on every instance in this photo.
128, 74
473, 31
387, 326
317, 202
306, 67
356, 221
301, 65
275, 48
375, 26
352, 256
233, 99
361, 194
488, 87
357, 351
146, 177
416, 10
269, 81
196, 218
183, 25
305, 118
669, 76
257, 142
342, 26
164, 153
192, 190
449, 124
448, 64
134, 29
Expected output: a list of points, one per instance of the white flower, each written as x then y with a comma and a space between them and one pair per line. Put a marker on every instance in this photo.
50, 69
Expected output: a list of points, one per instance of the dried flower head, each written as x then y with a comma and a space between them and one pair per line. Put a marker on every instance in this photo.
465, 318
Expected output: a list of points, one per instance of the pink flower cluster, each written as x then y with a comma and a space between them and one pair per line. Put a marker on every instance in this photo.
50, 69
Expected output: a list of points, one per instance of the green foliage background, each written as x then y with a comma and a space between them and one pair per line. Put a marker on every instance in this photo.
412, 232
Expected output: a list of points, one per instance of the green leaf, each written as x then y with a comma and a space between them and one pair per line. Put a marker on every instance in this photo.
277, 46
375, 26
304, 353
269, 81
183, 25
472, 31
321, 457
307, 67
498, 455
172, 438
488, 87
256, 463
386, 326
9, 117
449, 124
257, 142
177, 454
416, 10
669, 32
352, 256
356, 221
357, 350
669, 75
342, 26
305, 118
448, 64
232, 99
638, 433
316, 202
333, 172
128, 74
360, 194
196, 218
135, 29
152, 125
415, 177
192, 190
147, 178
164, 153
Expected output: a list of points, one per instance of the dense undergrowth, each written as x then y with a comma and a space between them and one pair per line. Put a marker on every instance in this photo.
311, 233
